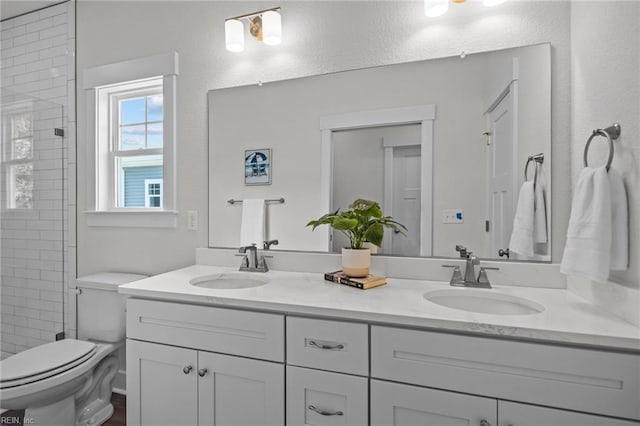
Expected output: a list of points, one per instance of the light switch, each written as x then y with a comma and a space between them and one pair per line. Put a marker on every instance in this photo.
452, 216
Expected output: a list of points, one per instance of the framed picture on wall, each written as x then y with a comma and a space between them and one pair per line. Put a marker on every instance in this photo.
257, 166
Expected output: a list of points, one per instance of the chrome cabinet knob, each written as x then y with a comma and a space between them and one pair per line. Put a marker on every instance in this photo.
202, 372
187, 369
483, 422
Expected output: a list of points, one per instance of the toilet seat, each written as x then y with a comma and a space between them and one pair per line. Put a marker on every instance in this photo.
44, 361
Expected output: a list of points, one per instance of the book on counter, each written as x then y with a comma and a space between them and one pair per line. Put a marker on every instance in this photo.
363, 283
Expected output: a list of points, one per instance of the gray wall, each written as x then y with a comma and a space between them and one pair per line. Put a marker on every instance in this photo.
318, 37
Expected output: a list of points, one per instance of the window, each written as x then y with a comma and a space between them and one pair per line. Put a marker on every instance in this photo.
153, 192
136, 139
17, 155
131, 119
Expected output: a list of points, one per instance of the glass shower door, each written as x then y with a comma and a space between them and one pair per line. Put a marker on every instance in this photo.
31, 222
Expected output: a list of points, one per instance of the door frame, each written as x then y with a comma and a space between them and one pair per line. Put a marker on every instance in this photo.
419, 114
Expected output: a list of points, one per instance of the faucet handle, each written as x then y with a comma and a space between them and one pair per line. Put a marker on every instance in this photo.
262, 264
463, 250
267, 244
456, 278
482, 276
245, 261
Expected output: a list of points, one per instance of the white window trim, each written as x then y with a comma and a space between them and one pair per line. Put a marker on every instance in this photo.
148, 182
98, 212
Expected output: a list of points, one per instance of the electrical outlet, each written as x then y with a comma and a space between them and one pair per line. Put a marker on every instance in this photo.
192, 220
452, 216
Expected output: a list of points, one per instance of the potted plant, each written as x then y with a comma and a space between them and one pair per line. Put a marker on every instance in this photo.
362, 222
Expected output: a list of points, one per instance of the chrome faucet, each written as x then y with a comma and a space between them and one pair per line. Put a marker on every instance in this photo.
469, 279
250, 262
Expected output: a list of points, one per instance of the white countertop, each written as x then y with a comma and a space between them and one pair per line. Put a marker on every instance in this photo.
567, 318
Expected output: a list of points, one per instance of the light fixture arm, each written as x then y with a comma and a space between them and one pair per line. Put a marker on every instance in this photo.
254, 14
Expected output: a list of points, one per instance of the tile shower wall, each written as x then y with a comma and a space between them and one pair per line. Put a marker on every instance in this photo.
38, 246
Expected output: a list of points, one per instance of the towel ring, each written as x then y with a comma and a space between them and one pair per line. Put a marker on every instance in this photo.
535, 170
537, 159
611, 133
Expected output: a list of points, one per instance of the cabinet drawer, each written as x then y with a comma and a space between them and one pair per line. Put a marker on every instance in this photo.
578, 379
328, 345
250, 334
323, 398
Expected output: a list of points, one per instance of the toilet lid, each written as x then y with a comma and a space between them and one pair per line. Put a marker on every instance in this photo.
44, 361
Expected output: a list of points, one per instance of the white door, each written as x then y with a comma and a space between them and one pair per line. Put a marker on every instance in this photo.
322, 398
162, 387
513, 414
501, 181
405, 198
239, 391
394, 404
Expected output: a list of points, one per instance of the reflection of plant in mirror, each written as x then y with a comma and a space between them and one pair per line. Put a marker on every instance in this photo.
362, 222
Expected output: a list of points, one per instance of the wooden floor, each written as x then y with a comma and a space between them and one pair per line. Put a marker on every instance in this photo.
119, 417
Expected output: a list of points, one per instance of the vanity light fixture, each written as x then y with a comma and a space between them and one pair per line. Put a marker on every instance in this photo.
265, 26
433, 8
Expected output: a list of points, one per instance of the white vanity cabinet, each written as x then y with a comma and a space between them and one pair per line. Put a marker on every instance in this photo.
190, 364
193, 365
327, 372
596, 382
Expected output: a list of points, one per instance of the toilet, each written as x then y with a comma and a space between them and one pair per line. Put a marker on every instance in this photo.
69, 382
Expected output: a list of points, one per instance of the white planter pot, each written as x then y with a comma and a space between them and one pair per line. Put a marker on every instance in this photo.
356, 262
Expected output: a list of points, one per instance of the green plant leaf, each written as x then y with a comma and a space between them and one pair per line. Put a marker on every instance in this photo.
344, 223
363, 220
374, 234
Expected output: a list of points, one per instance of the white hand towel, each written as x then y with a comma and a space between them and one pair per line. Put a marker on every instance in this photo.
539, 215
619, 223
521, 241
587, 253
252, 225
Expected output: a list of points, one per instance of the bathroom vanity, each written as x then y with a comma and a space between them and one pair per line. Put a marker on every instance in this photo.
300, 350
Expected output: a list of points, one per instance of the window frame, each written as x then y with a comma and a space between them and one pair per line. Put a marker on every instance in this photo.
101, 208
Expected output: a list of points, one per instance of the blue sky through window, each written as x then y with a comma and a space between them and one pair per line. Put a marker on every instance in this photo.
141, 122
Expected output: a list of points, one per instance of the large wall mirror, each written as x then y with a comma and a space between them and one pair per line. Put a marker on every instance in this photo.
441, 144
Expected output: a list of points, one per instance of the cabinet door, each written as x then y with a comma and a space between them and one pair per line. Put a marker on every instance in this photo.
405, 405
321, 398
513, 414
162, 387
239, 391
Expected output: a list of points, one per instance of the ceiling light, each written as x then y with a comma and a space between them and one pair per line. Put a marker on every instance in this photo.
265, 26
234, 35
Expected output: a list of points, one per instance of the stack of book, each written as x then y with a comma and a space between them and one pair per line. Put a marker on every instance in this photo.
363, 283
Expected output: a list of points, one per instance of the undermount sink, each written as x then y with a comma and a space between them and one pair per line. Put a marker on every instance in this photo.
230, 281
483, 301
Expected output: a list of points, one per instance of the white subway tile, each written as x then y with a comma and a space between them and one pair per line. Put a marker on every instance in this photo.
40, 25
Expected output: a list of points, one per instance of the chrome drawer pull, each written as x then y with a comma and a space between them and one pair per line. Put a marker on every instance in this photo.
325, 413
323, 346
187, 369
202, 372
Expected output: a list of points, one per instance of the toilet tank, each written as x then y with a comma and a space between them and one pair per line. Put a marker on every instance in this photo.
101, 310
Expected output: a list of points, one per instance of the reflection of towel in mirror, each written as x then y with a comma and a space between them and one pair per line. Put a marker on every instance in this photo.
619, 223
523, 222
540, 235
594, 243
252, 225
